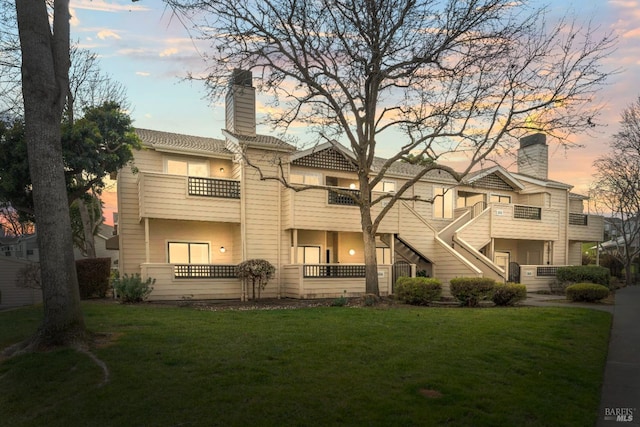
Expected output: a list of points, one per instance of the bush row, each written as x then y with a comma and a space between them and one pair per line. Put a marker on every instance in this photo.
587, 292
468, 290
584, 274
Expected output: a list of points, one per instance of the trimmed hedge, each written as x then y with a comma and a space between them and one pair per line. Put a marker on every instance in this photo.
587, 292
418, 290
584, 274
93, 276
471, 290
505, 294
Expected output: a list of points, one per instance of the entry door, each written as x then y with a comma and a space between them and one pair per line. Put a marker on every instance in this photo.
502, 260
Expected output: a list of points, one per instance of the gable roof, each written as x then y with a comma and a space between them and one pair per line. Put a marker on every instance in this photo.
176, 142
495, 177
333, 155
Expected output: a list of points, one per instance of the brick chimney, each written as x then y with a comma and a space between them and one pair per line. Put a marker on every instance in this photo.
533, 156
240, 110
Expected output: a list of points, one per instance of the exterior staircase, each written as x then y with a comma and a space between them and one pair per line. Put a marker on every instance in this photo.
454, 251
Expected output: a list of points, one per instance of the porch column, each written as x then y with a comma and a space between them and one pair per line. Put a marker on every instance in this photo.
147, 256
392, 247
295, 245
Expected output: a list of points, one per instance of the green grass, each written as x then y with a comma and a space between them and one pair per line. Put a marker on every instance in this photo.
317, 366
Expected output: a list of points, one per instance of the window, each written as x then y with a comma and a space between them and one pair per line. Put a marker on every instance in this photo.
385, 187
190, 167
383, 255
308, 254
497, 198
442, 202
188, 253
305, 178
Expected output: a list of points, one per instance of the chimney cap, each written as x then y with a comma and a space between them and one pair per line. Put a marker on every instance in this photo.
535, 139
241, 78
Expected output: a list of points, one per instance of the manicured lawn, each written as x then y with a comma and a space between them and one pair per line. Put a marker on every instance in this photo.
315, 366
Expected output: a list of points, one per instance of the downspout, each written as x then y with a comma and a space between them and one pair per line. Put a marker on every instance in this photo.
566, 231
280, 231
243, 221
147, 256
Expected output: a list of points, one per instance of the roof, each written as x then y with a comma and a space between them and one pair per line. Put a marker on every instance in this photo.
505, 176
264, 141
398, 168
168, 141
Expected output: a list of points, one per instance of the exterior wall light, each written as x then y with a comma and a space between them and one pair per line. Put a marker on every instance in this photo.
352, 252
223, 249
352, 186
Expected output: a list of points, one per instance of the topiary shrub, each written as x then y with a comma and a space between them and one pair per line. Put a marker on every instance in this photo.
93, 277
506, 294
584, 274
471, 290
587, 292
417, 290
257, 271
131, 289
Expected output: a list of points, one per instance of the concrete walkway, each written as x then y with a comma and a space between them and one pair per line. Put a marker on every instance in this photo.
620, 398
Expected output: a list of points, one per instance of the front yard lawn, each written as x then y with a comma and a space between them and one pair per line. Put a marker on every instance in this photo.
172, 366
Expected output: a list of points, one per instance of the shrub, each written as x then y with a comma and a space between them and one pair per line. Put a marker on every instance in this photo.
584, 274
508, 293
93, 276
131, 288
471, 290
588, 292
257, 271
417, 290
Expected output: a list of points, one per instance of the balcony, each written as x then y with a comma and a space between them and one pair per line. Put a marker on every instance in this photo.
320, 209
166, 196
586, 228
522, 222
319, 280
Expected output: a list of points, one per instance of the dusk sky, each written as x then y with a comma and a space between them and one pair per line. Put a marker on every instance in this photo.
146, 48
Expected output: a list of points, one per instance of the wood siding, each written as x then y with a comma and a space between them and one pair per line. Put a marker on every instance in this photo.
310, 210
166, 196
296, 286
167, 287
417, 232
592, 232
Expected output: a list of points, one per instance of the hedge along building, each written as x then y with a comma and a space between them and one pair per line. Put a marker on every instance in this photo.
195, 208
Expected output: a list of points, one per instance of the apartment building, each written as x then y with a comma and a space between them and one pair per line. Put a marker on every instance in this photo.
192, 208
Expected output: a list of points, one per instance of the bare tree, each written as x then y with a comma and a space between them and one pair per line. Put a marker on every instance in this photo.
450, 77
616, 189
44, 43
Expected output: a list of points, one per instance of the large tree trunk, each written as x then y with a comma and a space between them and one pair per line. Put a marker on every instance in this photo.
45, 65
369, 240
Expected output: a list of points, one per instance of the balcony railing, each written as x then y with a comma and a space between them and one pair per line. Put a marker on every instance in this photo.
547, 271
343, 199
205, 271
578, 219
211, 187
527, 212
334, 270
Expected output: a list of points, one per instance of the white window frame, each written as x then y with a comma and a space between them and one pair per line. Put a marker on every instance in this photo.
499, 196
189, 162
306, 177
440, 201
382, 186
189, 243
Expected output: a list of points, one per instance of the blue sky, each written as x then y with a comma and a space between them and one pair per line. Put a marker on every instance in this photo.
147, 49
